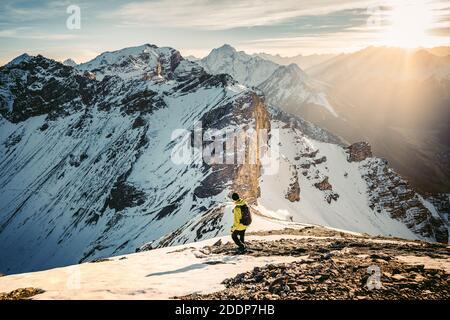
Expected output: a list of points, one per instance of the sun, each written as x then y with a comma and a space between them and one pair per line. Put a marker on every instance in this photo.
408, 23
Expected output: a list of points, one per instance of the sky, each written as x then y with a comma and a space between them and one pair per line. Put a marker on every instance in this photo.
194, 27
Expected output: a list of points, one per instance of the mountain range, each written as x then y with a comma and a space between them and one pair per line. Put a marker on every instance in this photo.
87, 168
408, 124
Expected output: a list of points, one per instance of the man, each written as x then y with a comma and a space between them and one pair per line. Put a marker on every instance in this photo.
238, 229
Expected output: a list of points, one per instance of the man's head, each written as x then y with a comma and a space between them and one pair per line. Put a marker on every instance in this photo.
235, 196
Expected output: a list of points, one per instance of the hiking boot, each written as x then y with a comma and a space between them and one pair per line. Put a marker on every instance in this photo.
241, 250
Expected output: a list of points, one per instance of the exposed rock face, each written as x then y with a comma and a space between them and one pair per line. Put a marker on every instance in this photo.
293, 192
323, 185
442, 204
345, 267
42, 86
388, 191
246, 181
359, 151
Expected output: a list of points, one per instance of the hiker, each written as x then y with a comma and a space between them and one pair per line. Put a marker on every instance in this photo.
242, 219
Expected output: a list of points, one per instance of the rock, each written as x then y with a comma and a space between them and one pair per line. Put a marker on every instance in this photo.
399, 277
293, 194
124, 195
323, 185
380, 257
145, 247
99, 260
89, 75
332, 272
320, 160
331, 196
218, 243
21, 293
359, 151
138, 122
310, 154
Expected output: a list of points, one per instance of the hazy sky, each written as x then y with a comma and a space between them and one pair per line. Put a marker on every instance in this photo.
196, 26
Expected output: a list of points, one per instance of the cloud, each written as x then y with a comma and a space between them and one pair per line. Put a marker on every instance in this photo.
28, 33
225, 14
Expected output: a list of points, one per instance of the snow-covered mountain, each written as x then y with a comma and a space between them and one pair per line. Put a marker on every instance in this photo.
69, 62
291, 88
86, 166
303, 61
87, 172
246, 69
287, 87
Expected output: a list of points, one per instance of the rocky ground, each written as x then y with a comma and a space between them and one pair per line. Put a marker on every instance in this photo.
342, 267
20, 294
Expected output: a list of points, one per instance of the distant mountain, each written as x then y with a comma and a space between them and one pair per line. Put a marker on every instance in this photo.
290, 87
246, 69
88, 170
192, 58
287, 87
303, 61
439, 51
69, 62
399, 100
381, 63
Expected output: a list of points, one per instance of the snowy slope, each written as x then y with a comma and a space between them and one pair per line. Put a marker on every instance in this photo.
201, 267
156, 274
351, 198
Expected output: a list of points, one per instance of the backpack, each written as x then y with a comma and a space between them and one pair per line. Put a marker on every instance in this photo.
246, 218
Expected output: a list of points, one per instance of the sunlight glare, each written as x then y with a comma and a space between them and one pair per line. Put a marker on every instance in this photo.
409, 22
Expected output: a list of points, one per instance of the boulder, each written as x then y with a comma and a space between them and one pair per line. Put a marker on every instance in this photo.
323, 185
359, 151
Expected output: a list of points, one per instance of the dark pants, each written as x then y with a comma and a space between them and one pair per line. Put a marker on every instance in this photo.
238, 238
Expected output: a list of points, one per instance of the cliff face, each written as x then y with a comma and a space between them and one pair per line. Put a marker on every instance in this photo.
246, 179
389, 191
250, 112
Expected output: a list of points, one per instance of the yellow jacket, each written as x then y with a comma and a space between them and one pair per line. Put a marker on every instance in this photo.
237, 225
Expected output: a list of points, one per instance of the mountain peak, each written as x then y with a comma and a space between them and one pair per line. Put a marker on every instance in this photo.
134, 62
226, 48
294, 67
19, 59
292, 70
69, 62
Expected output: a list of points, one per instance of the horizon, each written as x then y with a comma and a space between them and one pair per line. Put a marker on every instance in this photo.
83, 30
412, 50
